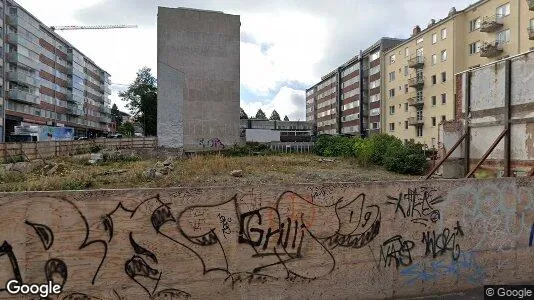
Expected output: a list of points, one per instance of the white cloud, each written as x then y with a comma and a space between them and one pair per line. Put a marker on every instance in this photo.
287, 102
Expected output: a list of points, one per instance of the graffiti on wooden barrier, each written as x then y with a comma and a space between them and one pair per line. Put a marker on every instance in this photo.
418, 205
398, 250
214, 143
438, 244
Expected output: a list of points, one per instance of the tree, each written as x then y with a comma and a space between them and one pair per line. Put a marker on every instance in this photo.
260, 115
116, 115
275, 116
141, 96
286, 118
243, 114
126, 129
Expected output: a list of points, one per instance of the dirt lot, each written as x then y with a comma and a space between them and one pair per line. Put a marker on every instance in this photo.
75, 173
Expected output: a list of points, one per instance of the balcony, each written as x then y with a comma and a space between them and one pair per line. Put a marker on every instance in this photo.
416, 82
15, 39
12, 20
416, 101
104, 119
73, 110
531, 32
491, 49
21, 96
530, 4
415, 121
16, 58
23, 78
416, 62
491, 23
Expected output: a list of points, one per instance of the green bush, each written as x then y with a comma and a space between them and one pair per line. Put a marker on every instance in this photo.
327, 145
363, 151
380, 144
249, 148
76, 184
406, 158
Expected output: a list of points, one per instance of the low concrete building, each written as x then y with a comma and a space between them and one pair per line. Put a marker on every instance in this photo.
265, 131
198, 77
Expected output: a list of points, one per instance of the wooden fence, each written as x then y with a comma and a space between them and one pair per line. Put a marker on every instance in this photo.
10, 152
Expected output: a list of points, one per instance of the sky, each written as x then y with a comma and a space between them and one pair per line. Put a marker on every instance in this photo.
286, 45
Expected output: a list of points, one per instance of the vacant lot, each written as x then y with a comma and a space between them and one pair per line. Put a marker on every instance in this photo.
76, 173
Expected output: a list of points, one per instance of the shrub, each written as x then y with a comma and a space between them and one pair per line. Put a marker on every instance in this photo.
76, 184
327, 145
380, 144
364, 150
248, 149
406, 158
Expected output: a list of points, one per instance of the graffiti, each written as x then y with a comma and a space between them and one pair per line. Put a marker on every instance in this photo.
280, 236
465, 268
225, 224
417, 205
443, 242
531, 239
214, 143
182, 243
398, 250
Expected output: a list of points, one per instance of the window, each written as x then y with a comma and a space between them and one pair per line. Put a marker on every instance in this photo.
391, 93
433, 121
443, 33
503, 10
392, 110
475, 24
374, 112
392, 76
406, 89
444, 55
419, 41
474, 47
443, 119
407, 52
405, 124
391, 126
434, 59
503, 36
374, 56
443, 98
433, 79
392, 59
406, 70
433, 100
405, 106
434, 38
420, 131
443, 76
375, 125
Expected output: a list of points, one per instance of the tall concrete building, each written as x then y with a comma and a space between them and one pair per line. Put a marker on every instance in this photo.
348, 99
420, 88
46, 80
198, 77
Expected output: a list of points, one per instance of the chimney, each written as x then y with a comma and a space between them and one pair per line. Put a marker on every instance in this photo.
416, 30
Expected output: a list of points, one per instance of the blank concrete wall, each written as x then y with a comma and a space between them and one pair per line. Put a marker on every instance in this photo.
349, 240
203, 102
262, 135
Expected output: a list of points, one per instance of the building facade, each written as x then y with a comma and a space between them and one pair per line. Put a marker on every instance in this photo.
47, 81
198, 77
348, 100
420, 90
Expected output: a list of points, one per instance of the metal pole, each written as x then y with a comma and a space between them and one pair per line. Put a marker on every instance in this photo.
507, 100
467, 143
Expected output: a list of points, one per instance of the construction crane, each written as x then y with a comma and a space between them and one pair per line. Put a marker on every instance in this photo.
91, 27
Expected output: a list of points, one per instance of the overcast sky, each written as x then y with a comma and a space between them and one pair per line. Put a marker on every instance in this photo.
286, 46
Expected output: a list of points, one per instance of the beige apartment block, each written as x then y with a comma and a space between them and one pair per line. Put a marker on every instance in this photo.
419, 89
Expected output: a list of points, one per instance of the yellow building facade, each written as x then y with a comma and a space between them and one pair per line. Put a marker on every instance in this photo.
419, 89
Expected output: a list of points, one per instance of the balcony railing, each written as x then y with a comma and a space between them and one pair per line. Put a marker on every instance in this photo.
491, 23
415, 121
416, 82
530, 4
416, 62
75, 111
531, 32
23, 78
491, 49
416, 101
17, 58
18, 95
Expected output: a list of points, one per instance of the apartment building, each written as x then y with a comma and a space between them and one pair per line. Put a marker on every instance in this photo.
420, 90
348, 99
46, 80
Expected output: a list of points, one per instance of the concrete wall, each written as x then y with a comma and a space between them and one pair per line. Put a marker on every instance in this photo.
347, 240
262, 135
487, 113
198, 77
